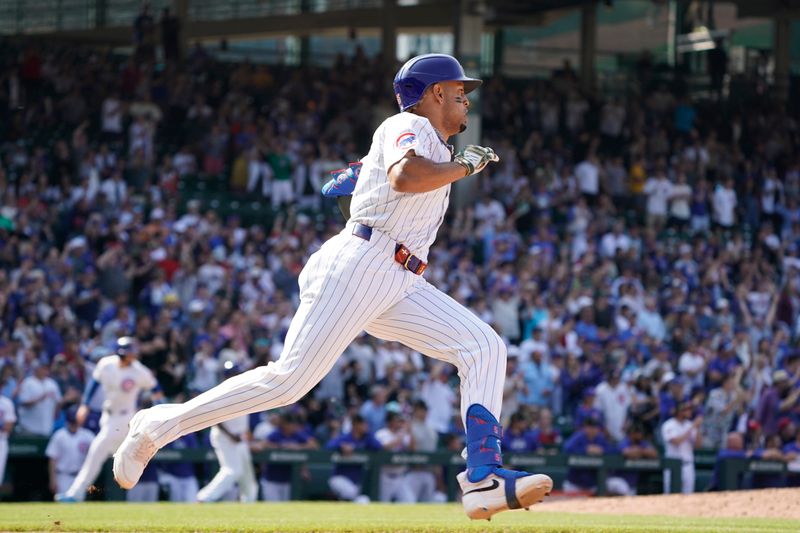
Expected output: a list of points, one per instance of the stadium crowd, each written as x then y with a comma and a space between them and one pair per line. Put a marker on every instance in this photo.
641, 257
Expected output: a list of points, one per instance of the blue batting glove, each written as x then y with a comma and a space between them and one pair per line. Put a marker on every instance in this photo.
343, 182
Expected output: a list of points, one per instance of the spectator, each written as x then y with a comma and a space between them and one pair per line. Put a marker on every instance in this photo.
587, 173
539, 380
549, 436
39, 399
658, 189
440, 398
681, 436
780, 398
721, 409
724, 203
374, 409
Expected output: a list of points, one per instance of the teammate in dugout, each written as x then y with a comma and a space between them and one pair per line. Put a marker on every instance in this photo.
368, 278
66, 451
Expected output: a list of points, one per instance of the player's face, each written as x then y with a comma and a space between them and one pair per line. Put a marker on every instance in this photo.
456, 106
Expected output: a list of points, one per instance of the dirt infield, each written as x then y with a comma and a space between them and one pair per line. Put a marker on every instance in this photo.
769, 503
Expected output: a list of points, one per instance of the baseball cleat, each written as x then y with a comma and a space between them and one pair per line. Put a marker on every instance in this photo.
134, 453
501, 491
60, 498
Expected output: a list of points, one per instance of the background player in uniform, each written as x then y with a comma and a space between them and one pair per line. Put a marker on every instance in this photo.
122, 378
7, 420
348, 479
179, 476
368, 278
66, 452
230, 442
423, 480
395, 437
289, 435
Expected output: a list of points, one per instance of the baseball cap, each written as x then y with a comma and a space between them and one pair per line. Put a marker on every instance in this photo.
71, 415
591, 420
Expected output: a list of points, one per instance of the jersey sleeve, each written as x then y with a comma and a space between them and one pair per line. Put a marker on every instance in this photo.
146, 378
26, 391
9, 415
97, 373
670, 430
404, 135
383, 436
54, 446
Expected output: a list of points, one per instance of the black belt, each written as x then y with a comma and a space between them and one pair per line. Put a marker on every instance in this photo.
66, 473
115, 413
401, 254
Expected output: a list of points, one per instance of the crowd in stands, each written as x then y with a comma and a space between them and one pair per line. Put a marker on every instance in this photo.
640, 256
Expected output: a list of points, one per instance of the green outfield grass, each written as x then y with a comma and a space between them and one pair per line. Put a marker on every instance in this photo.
318, 517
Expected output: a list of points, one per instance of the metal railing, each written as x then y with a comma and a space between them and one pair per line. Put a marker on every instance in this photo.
452, 463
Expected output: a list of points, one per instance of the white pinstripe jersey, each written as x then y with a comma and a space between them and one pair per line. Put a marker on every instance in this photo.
408, 218
122, 385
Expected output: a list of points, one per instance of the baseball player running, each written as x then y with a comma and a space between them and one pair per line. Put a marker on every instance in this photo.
230, 442
368, 278
122, 377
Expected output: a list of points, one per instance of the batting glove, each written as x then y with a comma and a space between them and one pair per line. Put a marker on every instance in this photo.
343, 182
475, 158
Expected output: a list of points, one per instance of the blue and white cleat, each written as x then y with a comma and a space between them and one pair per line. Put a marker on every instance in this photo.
343, 182
502, 490
60, 498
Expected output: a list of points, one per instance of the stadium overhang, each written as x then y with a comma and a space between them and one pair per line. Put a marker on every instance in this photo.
431, 15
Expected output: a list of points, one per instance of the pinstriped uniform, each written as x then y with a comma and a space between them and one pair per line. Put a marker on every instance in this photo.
352, 285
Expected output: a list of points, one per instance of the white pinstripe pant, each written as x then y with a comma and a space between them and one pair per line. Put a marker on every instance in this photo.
351, 285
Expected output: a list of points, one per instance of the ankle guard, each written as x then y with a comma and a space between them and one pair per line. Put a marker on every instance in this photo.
483, 442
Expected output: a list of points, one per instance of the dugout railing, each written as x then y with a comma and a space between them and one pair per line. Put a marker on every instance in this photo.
24, 450
738, 473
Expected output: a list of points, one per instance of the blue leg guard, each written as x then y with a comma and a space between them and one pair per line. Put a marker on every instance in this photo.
483, 443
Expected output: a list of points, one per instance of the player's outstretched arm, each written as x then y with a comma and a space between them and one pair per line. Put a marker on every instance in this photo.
417, 174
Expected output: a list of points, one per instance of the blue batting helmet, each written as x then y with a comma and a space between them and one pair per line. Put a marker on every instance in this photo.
127, 346
421, 72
